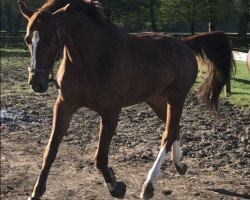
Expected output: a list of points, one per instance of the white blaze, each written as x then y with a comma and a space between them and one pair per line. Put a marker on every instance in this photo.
35, 40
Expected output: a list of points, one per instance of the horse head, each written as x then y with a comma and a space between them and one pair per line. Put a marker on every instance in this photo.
43, 41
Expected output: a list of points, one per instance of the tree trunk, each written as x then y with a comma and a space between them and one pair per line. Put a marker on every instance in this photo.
243, 25
211, 15
244, 18
211, 26
192, 28
9, 27
18, 23
152, 16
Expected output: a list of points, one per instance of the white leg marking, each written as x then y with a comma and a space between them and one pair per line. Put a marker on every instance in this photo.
154, 172
35, 40
176, 153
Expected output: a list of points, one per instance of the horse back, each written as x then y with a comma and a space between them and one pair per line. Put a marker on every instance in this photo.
149, 63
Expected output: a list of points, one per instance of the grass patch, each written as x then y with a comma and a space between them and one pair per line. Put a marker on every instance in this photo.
240, 86
15, 92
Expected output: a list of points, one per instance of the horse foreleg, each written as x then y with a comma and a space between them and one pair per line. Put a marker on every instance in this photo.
61, 118
107, 130
171, 134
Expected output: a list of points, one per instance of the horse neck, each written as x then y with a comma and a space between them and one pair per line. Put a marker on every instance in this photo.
86, 43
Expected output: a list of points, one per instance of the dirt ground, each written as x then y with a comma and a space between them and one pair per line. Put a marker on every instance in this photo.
215, 148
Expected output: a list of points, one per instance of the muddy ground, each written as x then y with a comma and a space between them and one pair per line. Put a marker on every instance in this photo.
216, 149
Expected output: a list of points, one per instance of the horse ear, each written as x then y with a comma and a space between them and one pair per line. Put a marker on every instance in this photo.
60, 12
24, 10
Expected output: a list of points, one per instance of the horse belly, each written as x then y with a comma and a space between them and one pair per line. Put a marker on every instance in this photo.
148, 83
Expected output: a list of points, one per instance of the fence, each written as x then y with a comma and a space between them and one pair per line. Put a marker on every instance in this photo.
15, 40
238, 43
12, 40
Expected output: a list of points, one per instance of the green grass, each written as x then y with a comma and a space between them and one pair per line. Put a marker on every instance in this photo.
14, 77
240, 86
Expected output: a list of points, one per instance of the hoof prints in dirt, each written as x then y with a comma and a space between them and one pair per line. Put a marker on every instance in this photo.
14, 119
217, 140
215, 144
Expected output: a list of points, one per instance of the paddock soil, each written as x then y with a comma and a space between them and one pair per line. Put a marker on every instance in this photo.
215, 148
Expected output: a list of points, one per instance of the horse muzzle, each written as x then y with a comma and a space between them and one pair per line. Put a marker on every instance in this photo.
39, 88
39, 85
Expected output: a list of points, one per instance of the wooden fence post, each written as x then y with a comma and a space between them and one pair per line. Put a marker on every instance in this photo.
228, 87
248, 61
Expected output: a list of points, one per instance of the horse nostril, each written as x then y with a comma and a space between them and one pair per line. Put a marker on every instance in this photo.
39, 88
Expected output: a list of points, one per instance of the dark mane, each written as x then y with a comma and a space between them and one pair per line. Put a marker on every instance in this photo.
91, 8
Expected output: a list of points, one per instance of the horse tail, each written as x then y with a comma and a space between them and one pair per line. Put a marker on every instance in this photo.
215, 51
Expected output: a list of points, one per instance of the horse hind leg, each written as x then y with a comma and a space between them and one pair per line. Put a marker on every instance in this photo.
170, 138
159, 106
176, 157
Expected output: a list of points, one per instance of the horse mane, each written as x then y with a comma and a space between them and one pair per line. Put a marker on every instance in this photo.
91, 8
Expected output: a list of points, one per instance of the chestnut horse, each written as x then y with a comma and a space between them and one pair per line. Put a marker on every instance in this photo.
105, 69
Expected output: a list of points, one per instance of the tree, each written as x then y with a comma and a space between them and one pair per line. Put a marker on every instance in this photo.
121, 10
219, 11
187, 11
141, 15
133, 15
7, 15
244, 15
192, 11
11, 19
152, 15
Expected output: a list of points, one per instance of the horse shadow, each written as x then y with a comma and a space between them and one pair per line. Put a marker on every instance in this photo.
241, 80
229, 193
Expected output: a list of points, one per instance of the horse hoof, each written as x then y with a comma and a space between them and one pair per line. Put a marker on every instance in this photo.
33, 198
147, 191
119, 191
181, 168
